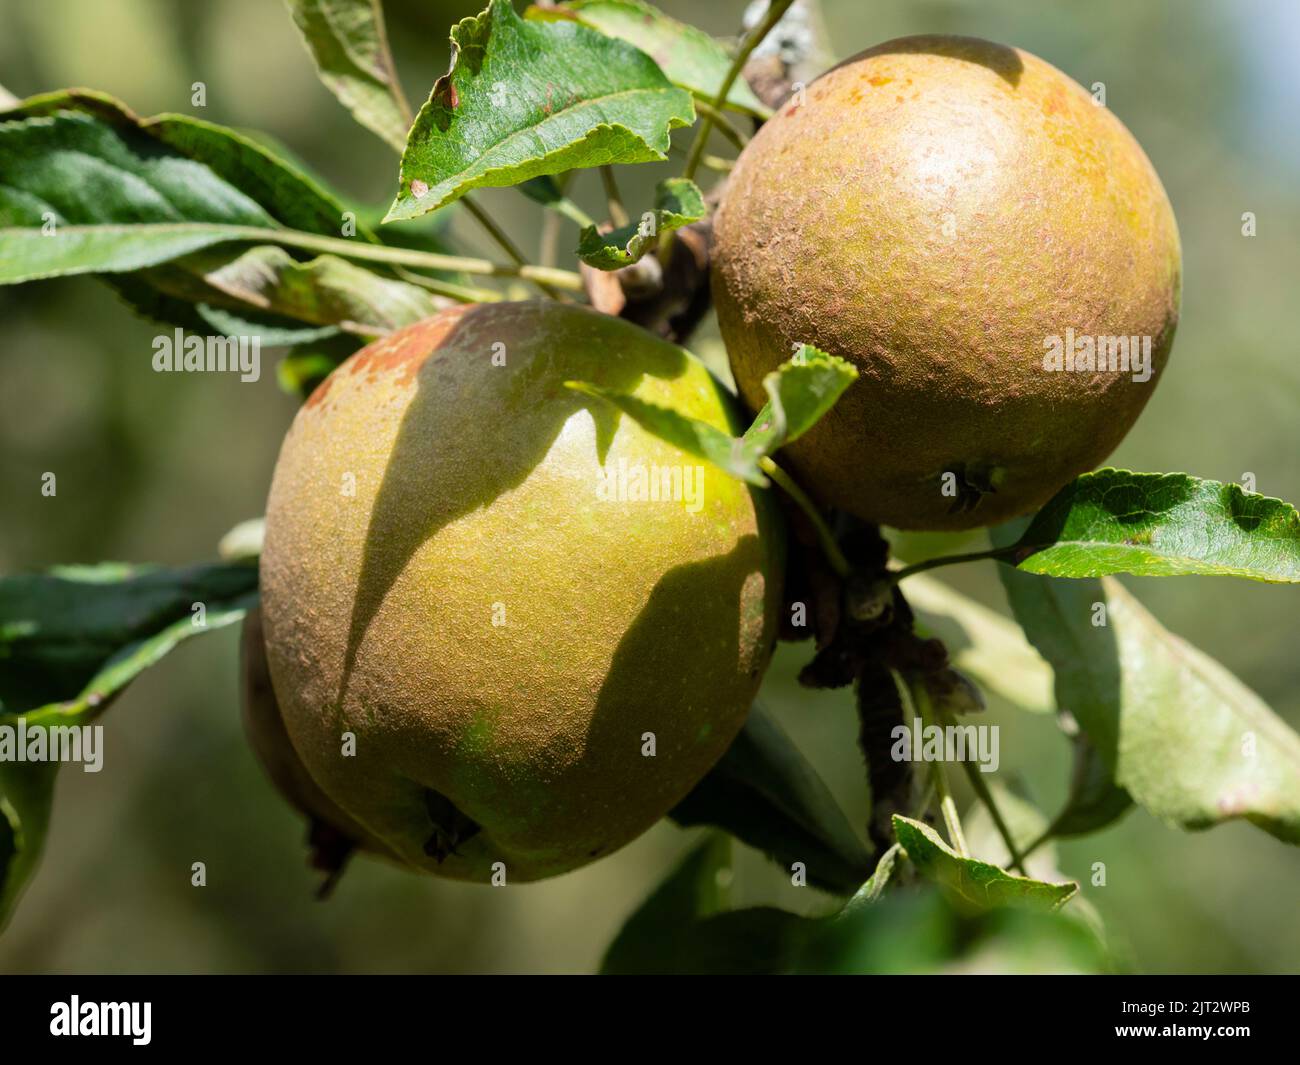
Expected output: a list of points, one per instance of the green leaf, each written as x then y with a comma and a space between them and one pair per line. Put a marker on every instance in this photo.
326, 290
689, 434
525, 99
546, 191
347, 41
1028, 826
678, 202
907, 930
801, 391
689, 56
72, 638
766, 794
983, 643
70, 641
923, 931
914, 931
881, 877
88, 187
26, 796
31, 255
695, 889
1183, 736
89, 159
969, 881
1161, 525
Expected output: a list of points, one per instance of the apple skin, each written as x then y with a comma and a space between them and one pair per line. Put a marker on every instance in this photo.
270, 743
470, 646
934, 210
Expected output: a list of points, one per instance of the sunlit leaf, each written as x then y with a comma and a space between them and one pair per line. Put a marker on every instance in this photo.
525, 99
801, 391
970, 881
88, 187
1161, 525
689, 56
347, 41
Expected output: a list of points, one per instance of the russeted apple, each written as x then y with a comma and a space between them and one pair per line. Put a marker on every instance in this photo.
985, 242
508, 629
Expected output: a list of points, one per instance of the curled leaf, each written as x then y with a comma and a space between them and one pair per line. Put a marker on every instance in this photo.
678, 202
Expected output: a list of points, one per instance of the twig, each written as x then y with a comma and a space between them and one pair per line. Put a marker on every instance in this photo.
617, 212
723, 124
1043, 838
549, 246
461, 293
503, 241
775, 10
384, 253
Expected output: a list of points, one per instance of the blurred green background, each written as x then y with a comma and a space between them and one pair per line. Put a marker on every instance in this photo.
156, 468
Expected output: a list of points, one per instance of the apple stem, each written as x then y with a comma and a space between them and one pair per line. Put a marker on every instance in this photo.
825, 537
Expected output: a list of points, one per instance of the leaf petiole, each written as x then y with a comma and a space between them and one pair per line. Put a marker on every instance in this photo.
976, 778
503, 241
949, 560
723, 124
947, 805
617, 212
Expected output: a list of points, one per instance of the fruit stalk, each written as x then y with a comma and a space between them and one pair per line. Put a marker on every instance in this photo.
825, 537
